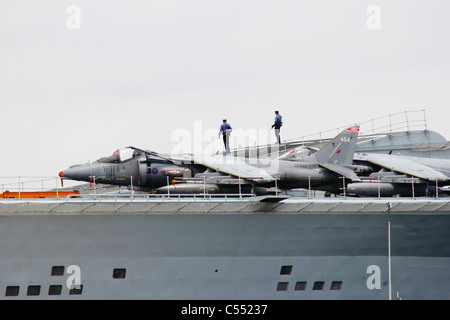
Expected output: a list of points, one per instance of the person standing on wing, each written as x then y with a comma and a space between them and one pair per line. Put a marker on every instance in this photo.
277, 125
225, 130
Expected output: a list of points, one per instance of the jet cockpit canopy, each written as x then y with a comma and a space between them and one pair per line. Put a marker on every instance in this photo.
298, 153
121, 155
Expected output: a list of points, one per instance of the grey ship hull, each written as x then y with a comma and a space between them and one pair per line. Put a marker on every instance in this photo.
225, 250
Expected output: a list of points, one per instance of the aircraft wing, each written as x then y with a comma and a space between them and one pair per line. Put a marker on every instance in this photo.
343, 171
403, 165
233, 166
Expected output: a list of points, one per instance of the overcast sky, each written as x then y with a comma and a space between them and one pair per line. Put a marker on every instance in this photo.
79, 79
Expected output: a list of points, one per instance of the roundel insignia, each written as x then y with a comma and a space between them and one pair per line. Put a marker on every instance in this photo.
154, 170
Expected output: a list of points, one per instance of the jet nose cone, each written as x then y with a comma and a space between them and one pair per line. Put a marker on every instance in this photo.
77, 172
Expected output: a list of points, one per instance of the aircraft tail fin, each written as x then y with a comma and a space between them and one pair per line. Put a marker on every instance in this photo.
341, 149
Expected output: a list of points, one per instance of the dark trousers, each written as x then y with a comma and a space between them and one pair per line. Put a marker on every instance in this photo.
226, 141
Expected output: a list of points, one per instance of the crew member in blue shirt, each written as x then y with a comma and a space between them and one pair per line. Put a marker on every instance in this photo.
225, 130
277, 125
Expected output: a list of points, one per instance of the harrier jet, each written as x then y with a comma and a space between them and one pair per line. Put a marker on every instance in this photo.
400, 175
329, 169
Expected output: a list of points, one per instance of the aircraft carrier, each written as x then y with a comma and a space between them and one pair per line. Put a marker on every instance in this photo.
236, 247
249, 248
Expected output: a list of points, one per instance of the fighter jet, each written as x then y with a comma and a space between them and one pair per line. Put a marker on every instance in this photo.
129, 166
400, 175
329, 169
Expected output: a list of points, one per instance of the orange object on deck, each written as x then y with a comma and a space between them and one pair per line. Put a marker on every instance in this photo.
37, 194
